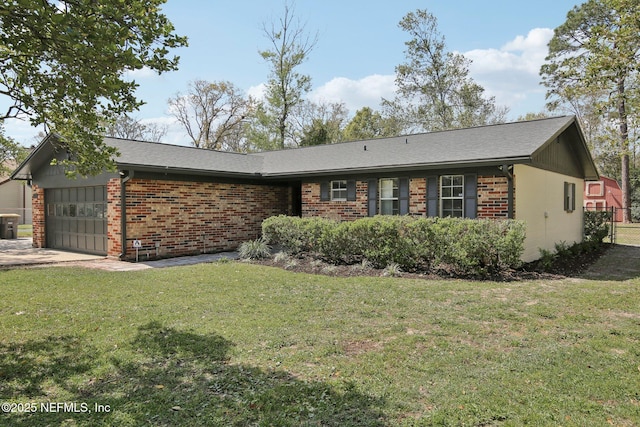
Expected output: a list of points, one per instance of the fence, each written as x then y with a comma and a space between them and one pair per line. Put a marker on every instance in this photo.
618, 232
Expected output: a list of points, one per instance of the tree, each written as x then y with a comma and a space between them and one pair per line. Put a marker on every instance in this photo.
211, 113
369, 124
435, 91
319, 124
63, 64
597, 51
10, 153
128, 128
533, 116
286, 87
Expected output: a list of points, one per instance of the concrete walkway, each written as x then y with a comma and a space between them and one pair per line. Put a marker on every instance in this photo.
20, 253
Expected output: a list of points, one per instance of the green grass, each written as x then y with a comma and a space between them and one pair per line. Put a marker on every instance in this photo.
628, 234
25, 230
239, 344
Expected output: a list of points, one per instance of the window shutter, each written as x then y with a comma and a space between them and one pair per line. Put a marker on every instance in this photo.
372, 193
569, 197
432, 196
470, 195
351, 190
403, 188
324, 191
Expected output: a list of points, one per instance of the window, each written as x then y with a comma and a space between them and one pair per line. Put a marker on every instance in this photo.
452, 195
339, 190
569, 196
389, 200
595, 188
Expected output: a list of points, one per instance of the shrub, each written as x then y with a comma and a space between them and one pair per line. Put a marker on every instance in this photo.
460, 246
294, 234
596, 225
392, 270
254, 249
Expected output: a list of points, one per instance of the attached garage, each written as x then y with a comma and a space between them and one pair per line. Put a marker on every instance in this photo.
76, 219
174, 200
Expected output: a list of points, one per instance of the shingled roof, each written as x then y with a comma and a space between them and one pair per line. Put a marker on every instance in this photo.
508, 143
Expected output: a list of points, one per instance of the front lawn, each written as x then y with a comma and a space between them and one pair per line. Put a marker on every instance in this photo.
240, 344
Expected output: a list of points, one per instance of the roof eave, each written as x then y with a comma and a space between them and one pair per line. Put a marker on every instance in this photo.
401, 168
186, 171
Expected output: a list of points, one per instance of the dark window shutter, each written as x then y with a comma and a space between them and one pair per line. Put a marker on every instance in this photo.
324, 191
432, 196
403, 187
372, 193
470, 195
351, 190
569, 197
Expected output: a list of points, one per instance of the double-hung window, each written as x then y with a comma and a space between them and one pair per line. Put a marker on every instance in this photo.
452, 196
339, 191
389, 200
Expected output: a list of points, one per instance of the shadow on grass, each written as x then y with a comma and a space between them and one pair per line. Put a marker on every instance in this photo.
179, 378
619, 263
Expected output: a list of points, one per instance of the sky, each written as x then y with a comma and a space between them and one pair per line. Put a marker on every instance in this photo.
359, 44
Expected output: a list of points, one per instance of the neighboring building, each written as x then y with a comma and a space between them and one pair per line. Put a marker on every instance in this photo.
15, 197
182, 200
603, 195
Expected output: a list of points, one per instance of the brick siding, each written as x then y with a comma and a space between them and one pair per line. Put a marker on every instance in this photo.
184, 218
344, 211
493, 197
493, 192
38, 220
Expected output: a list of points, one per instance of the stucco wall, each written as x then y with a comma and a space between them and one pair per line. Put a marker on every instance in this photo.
15, 198
540, 196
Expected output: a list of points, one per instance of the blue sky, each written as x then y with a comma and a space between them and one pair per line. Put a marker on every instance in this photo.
359, 45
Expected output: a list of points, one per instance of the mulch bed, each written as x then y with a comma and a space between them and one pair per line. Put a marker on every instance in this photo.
561, 268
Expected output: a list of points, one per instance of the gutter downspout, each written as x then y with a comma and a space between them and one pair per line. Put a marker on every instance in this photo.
125, 177
505, 171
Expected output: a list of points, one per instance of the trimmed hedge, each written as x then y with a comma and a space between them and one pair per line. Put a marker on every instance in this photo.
452, 245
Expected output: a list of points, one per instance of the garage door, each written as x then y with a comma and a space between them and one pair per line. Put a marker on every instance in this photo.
76, 219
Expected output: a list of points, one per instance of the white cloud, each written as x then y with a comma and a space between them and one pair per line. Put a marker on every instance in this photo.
257, 92
511, 73
365, 92
142, 73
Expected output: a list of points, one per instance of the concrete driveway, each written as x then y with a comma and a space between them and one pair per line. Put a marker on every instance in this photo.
20, 253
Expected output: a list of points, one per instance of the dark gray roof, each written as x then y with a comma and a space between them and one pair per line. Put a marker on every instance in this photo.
496, 144
479, 146
153, 156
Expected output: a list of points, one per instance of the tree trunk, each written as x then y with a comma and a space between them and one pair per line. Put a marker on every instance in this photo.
624, 147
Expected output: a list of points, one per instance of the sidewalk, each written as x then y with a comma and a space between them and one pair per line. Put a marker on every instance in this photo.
20, 253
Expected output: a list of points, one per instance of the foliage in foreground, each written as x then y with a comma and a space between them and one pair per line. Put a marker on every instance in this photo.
455, 245
64, 64
240, 344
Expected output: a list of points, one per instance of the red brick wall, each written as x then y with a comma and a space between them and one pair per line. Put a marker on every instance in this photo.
37, 205
114, 223
418, 196
192, 217
493, 200
493, 197
347, 211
